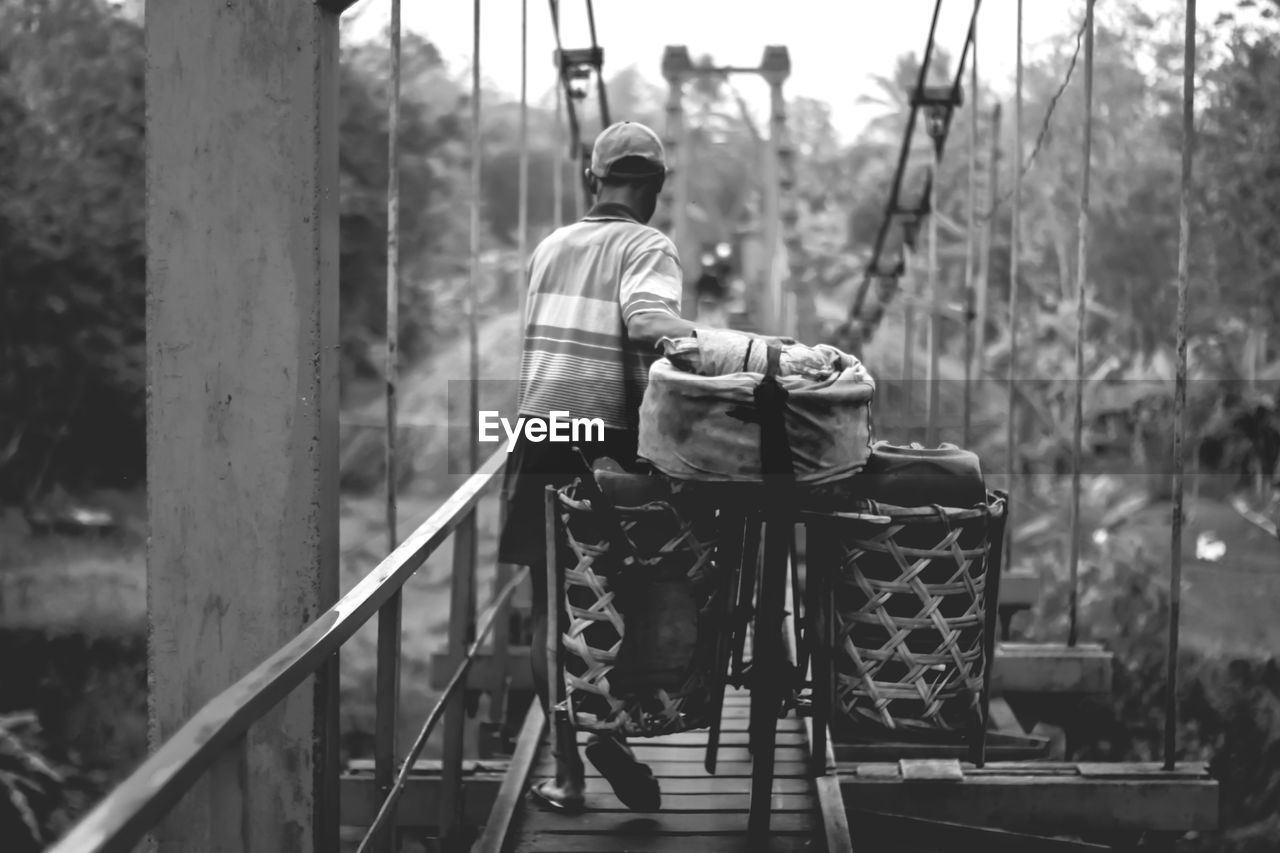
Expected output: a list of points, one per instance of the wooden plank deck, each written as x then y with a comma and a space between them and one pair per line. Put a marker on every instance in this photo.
910, 803
885, 805
1042, 797
702, 813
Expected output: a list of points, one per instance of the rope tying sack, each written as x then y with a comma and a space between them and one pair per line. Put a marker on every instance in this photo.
702, 424
717, 352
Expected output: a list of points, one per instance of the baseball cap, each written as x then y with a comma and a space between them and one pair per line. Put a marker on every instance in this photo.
627, 139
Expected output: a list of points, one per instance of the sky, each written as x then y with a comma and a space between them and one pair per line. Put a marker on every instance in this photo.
835, 45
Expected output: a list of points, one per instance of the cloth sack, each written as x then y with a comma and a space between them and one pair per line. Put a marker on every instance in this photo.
705, 428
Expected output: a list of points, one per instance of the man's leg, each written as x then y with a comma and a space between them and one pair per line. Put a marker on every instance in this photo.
530, 470
633, 782
567, 788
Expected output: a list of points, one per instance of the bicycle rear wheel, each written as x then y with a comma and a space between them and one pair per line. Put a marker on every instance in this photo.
769, 676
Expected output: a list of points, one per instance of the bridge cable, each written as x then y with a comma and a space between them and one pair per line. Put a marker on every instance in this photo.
602, 93
557, 174
983, 271
986, 216
873, 266
483, 627
393, 271
569, 66
970, 39
1015, 247
503, 571
564, 93
931, 207
1042, 136
891, 205
1082, 258
389, 616
522, 228
969, 237
1180, 384
1082, 279
473, 336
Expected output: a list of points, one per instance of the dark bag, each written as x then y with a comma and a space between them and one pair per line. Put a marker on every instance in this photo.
657, 599
915, 475
661, 637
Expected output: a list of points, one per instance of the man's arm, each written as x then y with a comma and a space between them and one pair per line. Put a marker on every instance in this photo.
651, 327
650, 298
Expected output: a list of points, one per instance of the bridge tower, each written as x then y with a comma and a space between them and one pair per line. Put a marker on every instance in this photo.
773, 305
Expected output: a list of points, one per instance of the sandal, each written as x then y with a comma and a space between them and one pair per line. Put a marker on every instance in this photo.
549, 796
633, 783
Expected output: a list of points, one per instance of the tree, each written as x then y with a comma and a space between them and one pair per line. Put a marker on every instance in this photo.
1240, 177
71, 243
72, 249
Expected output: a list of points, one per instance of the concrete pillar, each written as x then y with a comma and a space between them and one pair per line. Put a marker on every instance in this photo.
242, 250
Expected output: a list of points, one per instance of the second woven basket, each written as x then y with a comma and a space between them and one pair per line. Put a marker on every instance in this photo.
911, 612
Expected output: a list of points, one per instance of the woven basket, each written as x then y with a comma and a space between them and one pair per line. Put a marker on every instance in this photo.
910, 606
608, 686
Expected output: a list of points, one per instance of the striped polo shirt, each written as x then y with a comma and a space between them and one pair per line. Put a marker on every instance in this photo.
586, 280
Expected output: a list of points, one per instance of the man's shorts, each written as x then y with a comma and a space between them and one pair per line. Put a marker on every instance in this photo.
531, 467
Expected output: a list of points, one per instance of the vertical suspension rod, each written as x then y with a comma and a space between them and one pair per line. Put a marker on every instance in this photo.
393, 271
1180, 389
970, 43
935, 302
473, 332
1015, 237
387, 673
983, 272
970, 239
462, 592
1082, 284
522, 228
557, 183
503, 574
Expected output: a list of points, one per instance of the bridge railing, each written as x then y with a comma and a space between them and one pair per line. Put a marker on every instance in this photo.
126, 815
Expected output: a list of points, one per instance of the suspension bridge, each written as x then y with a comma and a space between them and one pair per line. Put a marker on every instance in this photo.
246, 621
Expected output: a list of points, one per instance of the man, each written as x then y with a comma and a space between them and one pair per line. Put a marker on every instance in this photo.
603, 292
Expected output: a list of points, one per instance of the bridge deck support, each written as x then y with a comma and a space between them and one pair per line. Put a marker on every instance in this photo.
242, 405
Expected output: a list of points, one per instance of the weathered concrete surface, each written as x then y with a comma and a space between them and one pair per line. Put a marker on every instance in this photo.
242, 240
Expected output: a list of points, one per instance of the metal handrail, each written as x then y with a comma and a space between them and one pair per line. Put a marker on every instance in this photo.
123, 818
437, 712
